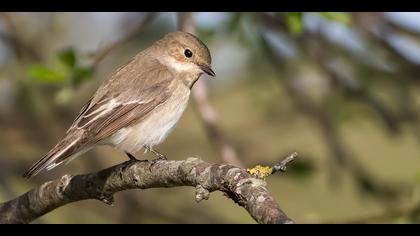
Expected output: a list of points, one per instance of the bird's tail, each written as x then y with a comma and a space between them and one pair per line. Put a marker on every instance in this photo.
67, 149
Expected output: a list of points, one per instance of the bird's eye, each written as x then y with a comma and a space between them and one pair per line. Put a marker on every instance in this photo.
188, 53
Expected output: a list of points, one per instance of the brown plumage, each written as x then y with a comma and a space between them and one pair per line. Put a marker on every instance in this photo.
139, 105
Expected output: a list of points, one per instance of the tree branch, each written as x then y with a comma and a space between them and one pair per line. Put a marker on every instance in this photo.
20, 47
243, 188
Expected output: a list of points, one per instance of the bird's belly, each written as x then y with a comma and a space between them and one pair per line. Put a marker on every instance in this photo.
153, 129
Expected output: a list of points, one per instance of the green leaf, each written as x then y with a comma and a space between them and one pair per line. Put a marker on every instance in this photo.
340, 17
83, 73
46, 75
67, 57
294, 21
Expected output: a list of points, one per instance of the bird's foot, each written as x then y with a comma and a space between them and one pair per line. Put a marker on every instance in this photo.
159, 157
133, 158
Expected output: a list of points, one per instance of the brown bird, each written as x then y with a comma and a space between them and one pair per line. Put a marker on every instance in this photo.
139, 105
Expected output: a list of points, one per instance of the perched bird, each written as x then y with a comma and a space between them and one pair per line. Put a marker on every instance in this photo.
139, 104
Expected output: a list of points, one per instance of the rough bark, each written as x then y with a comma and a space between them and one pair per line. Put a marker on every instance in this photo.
243, 188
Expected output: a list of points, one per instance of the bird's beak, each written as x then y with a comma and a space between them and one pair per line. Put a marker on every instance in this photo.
207, 69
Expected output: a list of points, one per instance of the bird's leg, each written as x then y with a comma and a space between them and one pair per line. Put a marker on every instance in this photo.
131, 157
159, 155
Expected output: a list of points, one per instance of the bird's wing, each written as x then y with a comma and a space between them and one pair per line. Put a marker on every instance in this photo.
111, 114
109, 110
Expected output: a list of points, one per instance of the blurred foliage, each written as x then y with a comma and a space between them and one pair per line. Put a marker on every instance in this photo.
330, 85
341, 17
67, 57
295, 22
67, 74
46, 75
67, 70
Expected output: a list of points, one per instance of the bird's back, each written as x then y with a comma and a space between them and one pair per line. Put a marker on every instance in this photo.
88, 128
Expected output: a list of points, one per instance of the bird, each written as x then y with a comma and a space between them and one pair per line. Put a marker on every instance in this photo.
138, 105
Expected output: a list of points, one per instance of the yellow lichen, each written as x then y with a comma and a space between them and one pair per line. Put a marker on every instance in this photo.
260, 172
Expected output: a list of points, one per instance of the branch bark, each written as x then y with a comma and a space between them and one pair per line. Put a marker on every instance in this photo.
237, 184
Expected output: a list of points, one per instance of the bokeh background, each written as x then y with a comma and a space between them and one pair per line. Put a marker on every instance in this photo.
341, 89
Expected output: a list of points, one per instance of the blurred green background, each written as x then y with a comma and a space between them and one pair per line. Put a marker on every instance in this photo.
341, 89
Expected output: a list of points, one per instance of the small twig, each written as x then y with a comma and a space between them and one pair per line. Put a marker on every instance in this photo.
263, 172
282, 166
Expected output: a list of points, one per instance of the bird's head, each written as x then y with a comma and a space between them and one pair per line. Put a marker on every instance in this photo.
186, 53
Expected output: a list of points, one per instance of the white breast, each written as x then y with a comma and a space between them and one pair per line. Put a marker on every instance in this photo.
156, 127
